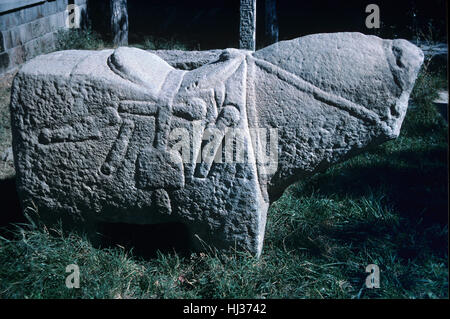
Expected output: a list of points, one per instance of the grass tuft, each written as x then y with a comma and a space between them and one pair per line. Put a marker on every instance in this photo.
159, 43
79, 39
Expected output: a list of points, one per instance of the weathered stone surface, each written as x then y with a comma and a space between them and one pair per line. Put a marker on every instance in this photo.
119, 22
24, 33
8, 5
21, 15
247, 25
187, 60
98, 136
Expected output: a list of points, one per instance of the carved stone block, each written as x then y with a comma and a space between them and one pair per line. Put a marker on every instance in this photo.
121, 136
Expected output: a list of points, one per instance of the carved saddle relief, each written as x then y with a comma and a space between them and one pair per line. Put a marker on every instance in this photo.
197, 97
211, 97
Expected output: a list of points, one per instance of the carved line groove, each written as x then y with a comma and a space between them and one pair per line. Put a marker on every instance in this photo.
119, 148
339, 102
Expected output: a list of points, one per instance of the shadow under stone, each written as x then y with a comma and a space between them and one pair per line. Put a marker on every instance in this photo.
415, 183
146, 240
11, 209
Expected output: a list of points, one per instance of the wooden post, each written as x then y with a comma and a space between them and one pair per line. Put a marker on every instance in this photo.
247, 25
270, 22
119, 22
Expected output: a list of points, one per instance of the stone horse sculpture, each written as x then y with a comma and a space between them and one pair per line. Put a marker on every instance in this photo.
122, 136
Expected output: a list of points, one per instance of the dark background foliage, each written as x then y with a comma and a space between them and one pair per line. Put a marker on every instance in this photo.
215, 23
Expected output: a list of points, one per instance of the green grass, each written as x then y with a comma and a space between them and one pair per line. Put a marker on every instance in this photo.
387, 206
79, 39
159, 43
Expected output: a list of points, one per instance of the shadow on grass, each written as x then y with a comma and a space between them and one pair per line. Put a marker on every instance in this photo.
146, 240
415, 183
143, 240
411, 184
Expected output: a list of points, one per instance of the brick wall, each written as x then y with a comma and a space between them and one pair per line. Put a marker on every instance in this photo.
28, 28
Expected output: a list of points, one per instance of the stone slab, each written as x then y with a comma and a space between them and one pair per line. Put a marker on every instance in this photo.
11, 20
247, 25
122, 136
29, 31
188, 60
8, 5
18, 55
